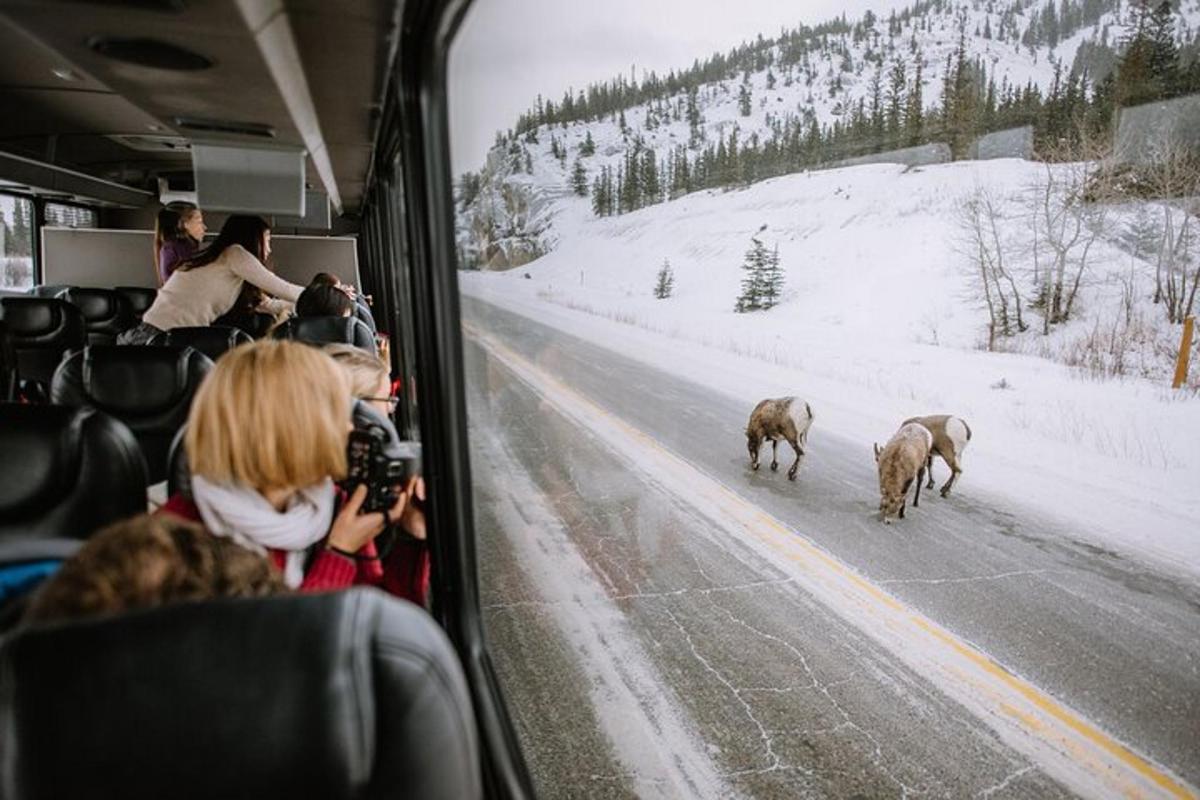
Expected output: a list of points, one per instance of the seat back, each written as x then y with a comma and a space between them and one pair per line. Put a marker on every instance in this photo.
42, 330
213, 340
52, 290
343, 695
9, 377
327, 330
139, 299
64, 472
256, 324
148, 388
106, 312
363, 312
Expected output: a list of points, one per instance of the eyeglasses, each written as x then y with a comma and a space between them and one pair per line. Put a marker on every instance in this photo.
391, 401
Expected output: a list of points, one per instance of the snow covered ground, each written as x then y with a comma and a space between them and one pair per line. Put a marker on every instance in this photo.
877, 324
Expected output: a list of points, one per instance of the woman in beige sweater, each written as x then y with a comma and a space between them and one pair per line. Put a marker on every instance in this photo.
207, 285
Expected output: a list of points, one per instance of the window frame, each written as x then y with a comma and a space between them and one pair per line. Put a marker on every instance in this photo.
409, 223
35, 233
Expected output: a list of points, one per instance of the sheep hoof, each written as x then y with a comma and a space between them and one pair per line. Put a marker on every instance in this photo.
887, 520
774, 468
791, 476
945, 492
754, 467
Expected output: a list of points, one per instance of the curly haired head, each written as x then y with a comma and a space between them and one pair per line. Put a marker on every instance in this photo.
146, 561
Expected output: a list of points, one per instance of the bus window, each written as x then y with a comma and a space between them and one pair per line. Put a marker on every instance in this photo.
65, 216
833, 431
16, 241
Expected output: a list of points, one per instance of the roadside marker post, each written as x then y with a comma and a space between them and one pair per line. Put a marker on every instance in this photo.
1185, 349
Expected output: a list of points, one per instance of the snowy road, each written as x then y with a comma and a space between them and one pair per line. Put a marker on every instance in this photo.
619, 593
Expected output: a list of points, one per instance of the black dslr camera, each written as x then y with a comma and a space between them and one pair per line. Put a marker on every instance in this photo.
376, 457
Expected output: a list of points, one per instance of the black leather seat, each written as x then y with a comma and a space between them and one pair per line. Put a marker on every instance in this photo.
344, 695
139, 299
148, 388
106, 312
42, 330
256, 324
327, 330
363, 312
52, 290
213, 341
9, 377
64, 472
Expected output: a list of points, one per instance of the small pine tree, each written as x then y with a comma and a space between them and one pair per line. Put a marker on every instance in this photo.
588, 148
752, 284
744, 98
666, 281
772, 280
579, 181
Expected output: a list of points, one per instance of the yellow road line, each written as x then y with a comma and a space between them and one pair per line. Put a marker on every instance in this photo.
1057, 738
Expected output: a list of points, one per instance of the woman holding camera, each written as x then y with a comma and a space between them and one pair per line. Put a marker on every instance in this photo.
266, 441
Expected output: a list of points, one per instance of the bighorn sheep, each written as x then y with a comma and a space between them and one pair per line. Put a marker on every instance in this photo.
901, 461
950, 437
781, 418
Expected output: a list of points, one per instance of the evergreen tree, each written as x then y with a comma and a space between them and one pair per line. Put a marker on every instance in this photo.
897, 82
651, 187
666, 281
1164, 53
695, 132
20, 241
744, 100
772, 280
753, 266
914, 111
579, 181
588, 147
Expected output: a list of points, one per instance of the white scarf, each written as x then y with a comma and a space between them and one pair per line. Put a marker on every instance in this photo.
244, 515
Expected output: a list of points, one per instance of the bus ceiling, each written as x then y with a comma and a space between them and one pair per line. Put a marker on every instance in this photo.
118, 90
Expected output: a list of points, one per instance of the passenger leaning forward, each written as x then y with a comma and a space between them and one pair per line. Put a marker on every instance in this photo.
209, 284
266, 439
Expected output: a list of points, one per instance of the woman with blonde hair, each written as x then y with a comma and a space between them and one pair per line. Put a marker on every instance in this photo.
266, 441
368, 376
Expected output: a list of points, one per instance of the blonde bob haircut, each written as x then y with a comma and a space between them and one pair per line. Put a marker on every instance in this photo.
270, 415
364, 369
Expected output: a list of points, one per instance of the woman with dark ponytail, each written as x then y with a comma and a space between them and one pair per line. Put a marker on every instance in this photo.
207, 285
178, 232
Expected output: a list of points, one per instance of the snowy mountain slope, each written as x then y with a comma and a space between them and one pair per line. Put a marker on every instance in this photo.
878, 323
808, 75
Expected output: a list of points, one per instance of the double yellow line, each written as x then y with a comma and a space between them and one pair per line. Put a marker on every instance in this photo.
1058, 739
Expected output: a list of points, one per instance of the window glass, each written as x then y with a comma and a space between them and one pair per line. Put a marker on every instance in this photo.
16, 241
66, 216
833, 402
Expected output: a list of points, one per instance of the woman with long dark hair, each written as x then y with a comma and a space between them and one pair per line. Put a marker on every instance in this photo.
207, 285
178, 231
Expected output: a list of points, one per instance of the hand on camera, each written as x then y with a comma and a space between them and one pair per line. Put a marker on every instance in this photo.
412, 518
351, 530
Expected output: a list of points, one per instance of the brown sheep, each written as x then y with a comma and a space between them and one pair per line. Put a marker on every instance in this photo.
950, 437
781, 418
901, 461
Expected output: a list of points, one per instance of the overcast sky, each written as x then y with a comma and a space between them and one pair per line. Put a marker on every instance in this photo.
508, 51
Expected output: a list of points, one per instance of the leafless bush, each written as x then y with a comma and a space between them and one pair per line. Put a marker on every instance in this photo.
987, 251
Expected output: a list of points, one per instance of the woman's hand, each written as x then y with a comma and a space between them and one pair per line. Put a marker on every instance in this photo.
351, 530
412, 517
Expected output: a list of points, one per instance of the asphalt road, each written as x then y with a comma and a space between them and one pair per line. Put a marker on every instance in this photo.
747, 683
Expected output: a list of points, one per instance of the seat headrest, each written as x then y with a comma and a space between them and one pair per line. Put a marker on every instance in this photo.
135, 379
344, 695
43, 321
65, 472
102, 308
213, 340
327, 330
138, 297
363, 312
49, 290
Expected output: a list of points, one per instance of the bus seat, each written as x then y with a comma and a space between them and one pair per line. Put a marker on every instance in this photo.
148, 388
139, 298
343, 695
64, 472
327, 330
51, 290
106, 312
256, 324
9, 377
363, 312
42, 330
213, 340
